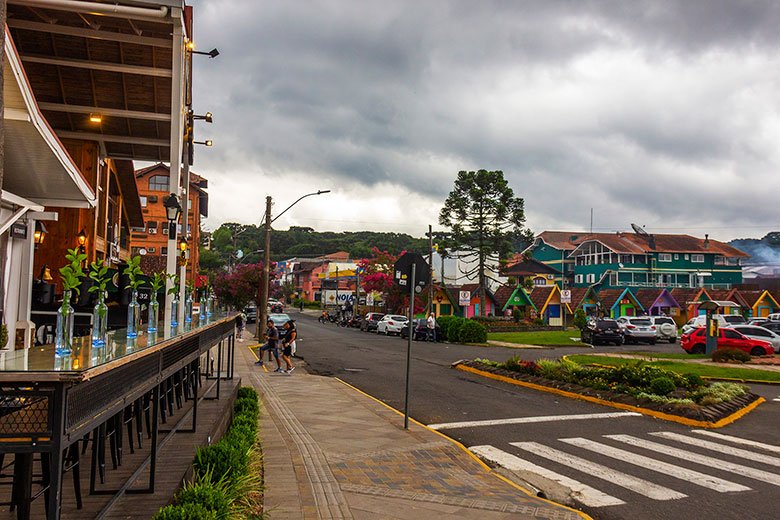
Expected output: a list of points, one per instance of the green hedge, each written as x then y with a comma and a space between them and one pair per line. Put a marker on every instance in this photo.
219, 468
444, 323
472, 332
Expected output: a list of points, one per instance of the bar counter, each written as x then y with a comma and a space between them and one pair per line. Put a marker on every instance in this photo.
49, 404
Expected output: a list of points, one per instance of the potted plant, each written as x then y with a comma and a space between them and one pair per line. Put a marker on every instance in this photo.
98, 273
188, 289
71, 275
158, 280
173, 290
133, 272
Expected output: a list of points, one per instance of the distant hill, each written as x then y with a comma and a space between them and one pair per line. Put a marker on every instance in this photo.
765, 250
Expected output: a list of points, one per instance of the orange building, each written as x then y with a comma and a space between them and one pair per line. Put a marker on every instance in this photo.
151, 241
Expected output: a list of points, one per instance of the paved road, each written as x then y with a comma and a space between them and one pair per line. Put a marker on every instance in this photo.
621, 465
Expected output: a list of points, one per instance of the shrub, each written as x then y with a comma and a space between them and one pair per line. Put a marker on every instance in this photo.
730, 354
247, 392
662, 386
517, 315
453, 331
718, 393
444, 323
223, 459
548, 368
246, 405
211, 496
580, 320
516, 364
188, 511
693, 381
539, 322
472, 332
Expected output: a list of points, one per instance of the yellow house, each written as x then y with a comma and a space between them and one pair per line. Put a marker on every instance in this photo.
760, 303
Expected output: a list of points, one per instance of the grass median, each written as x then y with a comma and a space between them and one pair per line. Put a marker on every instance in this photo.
701, 369
542, 338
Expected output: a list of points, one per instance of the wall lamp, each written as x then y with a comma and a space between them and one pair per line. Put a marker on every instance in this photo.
207, 142
172, 212
82, 240
39, 234
207, 117
213, 53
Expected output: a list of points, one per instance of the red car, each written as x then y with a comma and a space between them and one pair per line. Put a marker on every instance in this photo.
695, 342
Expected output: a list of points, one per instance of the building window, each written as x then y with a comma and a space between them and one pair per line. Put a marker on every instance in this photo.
664, 257
577, 278
151, 227
143, 201
158, 183
153, 199
697, 259
591, 278
164, 251
676, 256
687, 257
151, 249
540, 281
135, 251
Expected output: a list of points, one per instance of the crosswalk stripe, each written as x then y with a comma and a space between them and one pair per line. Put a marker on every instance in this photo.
638, 485
583, 493
738, 469
538, 419
694, 477
714, 446
738, 440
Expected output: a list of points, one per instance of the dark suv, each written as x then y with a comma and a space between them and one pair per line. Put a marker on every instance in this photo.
370, 320
602, 330
420, 331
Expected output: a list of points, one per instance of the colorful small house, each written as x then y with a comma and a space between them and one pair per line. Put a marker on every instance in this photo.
584, 298
619, 302
547, 301
760, 303
529, 269
514, 298
472, 309
729, 301
444, 302
689, 299
658, 302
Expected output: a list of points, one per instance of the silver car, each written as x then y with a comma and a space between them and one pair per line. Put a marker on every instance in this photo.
637, 330
756, 332
665, 329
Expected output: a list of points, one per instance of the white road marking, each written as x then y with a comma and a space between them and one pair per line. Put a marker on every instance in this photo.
585, 494
527, 420
638, 485
694, 477
745, 471
714, 446
739, 440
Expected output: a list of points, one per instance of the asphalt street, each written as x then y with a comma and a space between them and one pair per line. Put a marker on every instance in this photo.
620, 465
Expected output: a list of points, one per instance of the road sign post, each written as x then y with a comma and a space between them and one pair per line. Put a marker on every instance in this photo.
565, 299
409, 346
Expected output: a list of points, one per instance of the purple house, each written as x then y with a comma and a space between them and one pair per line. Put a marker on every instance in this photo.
658, 302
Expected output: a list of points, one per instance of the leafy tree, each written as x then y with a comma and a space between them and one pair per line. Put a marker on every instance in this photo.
239, 287
485, 218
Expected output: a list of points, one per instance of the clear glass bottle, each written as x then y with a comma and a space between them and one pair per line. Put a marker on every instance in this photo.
209, 306
100, 321
63, 338
133, 311
175, 311
188, 307
154, 315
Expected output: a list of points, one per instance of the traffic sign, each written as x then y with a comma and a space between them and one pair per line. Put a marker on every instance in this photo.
566, 296
402, 270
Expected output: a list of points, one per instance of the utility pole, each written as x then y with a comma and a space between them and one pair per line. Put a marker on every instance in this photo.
262, 311
430, 265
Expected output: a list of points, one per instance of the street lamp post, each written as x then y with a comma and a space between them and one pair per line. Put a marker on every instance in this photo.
263, 305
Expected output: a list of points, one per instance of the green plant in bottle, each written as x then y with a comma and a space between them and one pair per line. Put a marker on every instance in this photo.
71, 275
98, 273
157, 283
173, 290
133, 272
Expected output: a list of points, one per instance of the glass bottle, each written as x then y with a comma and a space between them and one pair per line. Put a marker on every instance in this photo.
63, 338
175, 311
100, 321
154, 315
133, 311
209, 305
188, 307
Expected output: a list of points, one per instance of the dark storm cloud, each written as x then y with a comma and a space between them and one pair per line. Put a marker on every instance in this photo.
645, 110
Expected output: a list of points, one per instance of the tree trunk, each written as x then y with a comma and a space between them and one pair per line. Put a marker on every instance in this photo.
482, 286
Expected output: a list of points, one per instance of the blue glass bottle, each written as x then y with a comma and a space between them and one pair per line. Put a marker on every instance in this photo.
100, 321
133, 311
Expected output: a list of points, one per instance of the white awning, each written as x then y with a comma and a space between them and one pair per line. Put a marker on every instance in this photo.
37, 166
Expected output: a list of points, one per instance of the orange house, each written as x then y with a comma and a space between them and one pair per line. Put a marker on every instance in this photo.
151, 240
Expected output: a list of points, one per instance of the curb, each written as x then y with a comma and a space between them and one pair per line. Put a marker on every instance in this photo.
644, 411
487, 468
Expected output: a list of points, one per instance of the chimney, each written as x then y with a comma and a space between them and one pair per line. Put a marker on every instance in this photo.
706, 241
651, 241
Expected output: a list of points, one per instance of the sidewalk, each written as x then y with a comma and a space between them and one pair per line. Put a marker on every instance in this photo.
331, 451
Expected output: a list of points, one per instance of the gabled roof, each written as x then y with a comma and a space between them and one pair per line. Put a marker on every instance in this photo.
578, 295
610, 297
502, 295
473, 288
753, 297
688, 295
648, 297
518, 297
528, 267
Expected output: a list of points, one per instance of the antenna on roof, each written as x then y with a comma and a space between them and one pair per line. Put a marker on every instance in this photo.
639, 231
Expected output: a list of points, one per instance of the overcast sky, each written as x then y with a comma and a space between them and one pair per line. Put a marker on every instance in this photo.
663, 113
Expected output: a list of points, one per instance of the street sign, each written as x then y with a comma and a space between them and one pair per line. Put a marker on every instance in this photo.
566, 296
464, 298
402, 270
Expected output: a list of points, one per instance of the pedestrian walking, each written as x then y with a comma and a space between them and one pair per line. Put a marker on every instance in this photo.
300, 304
241, 324
271, 345
288, 348
431, 324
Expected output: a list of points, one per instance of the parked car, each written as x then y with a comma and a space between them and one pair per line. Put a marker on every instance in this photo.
775, 316
665, 329
637, 330
774, 326
391, 324
275, 306
420, 330
695, 341
755, 332
251, 314
701, 321
602, 330
735, 319
369, 321
758, 321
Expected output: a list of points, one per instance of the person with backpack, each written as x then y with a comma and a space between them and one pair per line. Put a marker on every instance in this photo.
271, 345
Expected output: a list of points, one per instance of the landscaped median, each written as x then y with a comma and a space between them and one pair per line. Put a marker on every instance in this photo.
544, 338
636, 386
226, 483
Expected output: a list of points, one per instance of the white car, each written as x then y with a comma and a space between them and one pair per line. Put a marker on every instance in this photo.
665, 329
391, 324
701, 321
755, 332
637, 329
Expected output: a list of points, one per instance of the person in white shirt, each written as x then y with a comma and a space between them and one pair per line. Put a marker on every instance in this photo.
431, 323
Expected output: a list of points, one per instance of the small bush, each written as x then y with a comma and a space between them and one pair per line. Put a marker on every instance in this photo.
662, 386
212, 497
224, 459
580, 320
453, 331
515, 364
444, 323
187, 511
247, 392
549, 369
730, 354
693, 381
472, 332
246, 405
517, 315
719, 393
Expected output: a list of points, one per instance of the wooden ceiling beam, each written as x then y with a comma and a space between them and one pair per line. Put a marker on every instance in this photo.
100, 65
112, 112
125, 139
83, 32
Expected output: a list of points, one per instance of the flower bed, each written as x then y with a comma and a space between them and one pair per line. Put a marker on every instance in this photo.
636, 384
